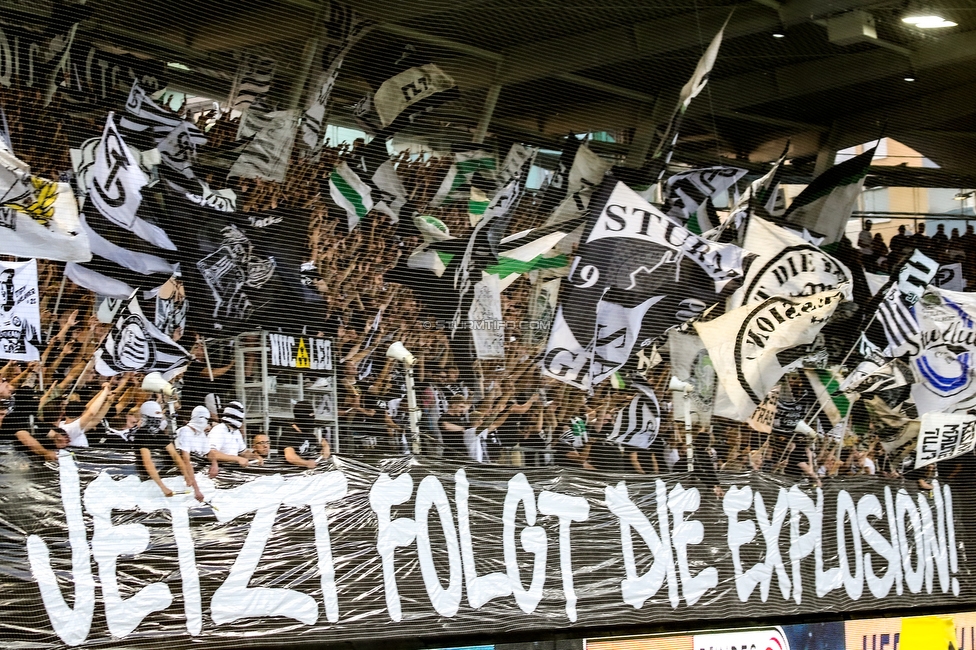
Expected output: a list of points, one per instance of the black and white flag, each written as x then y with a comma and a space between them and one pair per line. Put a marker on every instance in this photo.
784, 265
637, 424
143, 115
950, 277
268, 154
116, 181
631, 253
128, 251
406, 90
897, 309
517, 164
177, 153
753, 346
38, 218
20, 316
899, 322
136, 345
253, 80
688, 191
915, 276
342, 28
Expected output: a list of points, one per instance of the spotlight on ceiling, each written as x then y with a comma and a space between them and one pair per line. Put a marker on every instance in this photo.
779, 35
928, 21
909, 78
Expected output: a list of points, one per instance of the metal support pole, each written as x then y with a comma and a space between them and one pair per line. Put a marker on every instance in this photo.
311, 52
490, 101
640, 146
414, 411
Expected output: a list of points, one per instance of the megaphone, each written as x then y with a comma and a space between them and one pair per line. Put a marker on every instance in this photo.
678, 386
154, 383
804, 428
400, 353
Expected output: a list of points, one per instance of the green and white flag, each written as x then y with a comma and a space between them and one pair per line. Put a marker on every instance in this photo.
350, 193
466, 165
826, 386
532, 255
477, 204
825, 206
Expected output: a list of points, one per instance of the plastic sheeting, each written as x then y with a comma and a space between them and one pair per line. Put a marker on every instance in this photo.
420, 549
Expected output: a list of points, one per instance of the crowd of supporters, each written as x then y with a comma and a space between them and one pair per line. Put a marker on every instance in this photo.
500, 412
958, 247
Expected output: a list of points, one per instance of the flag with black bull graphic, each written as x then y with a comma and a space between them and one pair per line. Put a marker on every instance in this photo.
632, 257
136, 345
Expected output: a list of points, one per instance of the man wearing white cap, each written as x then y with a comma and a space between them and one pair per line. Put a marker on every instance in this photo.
193, 443
227, 441
150, 440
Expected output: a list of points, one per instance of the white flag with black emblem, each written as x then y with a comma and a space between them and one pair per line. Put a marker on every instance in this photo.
917, 273
637, 425
136, 345
752, 346
950, 278
116, 181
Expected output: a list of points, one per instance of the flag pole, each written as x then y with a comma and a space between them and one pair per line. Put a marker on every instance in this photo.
820, 406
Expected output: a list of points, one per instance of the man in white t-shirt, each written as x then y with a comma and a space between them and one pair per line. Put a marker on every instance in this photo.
227, 441
70, 433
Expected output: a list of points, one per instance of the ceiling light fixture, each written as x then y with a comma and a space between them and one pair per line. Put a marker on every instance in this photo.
929, 21
178, 66
779, 35
909, 78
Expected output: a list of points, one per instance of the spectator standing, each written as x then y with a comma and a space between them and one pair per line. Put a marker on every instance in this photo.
921, 241
969, 246
898, 247
880, 253
939, 244
865, 247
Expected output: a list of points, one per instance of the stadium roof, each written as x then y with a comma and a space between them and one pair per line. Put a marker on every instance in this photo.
807, 70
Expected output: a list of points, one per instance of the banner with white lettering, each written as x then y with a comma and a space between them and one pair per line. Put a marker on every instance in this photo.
943, 436
351, 553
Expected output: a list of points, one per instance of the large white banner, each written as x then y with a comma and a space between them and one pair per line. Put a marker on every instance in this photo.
20, 316
944, 436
